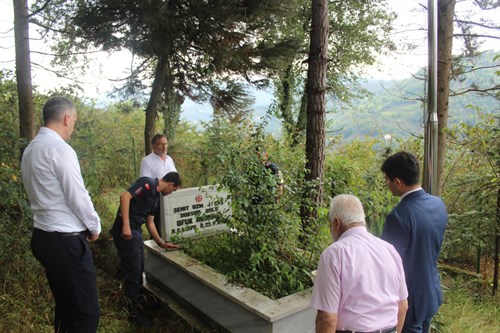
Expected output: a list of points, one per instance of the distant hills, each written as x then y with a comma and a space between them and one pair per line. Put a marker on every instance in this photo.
397, 107
392, 107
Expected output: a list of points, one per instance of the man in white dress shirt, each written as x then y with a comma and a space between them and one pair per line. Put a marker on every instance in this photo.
156, 165
64, 219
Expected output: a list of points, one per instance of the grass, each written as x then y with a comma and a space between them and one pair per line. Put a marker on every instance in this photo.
26, 304
31, 310
468, 306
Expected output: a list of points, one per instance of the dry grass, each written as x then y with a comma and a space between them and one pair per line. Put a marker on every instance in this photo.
469, 307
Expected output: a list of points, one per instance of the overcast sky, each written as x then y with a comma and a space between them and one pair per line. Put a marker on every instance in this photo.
411, 20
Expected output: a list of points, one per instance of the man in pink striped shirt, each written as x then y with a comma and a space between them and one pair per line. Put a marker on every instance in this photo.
360, 284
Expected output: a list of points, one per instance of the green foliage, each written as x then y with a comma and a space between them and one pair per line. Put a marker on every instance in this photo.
472, 187
19, 270
355, 169
193, 159
262, 252
109, 146
396, 108
13, 205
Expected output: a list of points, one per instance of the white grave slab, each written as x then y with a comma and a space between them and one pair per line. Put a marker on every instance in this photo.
188, 211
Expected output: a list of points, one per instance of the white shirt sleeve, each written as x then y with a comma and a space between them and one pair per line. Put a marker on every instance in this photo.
68, 172
145, 168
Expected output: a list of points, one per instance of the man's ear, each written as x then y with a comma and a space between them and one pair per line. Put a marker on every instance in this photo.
399, 182
66, 118
336, 224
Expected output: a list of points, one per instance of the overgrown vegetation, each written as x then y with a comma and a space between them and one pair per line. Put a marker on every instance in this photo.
263, 251
264, 247
467, 307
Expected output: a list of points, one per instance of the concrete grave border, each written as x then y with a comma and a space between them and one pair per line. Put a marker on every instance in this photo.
209, 295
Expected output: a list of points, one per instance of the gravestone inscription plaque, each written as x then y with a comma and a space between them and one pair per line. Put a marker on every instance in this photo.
188, 212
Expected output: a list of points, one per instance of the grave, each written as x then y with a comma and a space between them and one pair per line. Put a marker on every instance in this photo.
201, 290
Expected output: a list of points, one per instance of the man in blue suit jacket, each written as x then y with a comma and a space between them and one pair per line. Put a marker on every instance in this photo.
415, 227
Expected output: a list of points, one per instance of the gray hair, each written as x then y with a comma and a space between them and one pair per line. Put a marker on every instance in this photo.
347, 208
55, 108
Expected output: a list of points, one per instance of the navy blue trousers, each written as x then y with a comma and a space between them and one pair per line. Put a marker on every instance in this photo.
71, 274
131, 253
423, 327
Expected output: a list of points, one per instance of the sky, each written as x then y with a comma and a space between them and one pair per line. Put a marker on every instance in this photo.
107, 68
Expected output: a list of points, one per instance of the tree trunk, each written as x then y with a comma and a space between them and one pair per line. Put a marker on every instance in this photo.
300, 127
286, 100
154, 99
173, 103
315, 128
172, 116
23, 73
446, 10
497, 246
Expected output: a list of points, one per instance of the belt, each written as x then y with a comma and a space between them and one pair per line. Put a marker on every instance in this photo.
60, 234
387, 330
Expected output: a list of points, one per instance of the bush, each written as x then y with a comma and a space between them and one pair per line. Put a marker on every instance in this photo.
263, 252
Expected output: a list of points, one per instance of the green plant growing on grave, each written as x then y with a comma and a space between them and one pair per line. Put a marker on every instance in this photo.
262, 251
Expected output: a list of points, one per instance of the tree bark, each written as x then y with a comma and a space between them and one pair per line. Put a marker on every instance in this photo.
23, 73
446, 10
315, 128
286, 100
173, 103
154, 100
497, 246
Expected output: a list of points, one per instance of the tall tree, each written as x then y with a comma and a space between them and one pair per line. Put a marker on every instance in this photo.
316, 90
466, 30
23, 72
471, 34
188, 47
446, 10
359, 31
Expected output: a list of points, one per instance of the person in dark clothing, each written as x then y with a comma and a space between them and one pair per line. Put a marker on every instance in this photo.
416, 228
273, 169
137, 207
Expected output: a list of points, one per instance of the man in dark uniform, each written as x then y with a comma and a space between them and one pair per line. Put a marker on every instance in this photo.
272, 169
276, 172
137, 206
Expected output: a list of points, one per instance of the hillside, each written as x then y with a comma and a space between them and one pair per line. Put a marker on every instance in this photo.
393, 107
396, 107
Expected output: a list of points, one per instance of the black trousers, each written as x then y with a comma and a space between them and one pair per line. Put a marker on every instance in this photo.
131, 253
71, 274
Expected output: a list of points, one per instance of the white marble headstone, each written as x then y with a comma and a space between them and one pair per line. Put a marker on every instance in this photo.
188, 212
